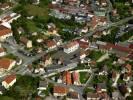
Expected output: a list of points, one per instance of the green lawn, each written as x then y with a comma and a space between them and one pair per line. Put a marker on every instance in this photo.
31, 26
95, 55
99, 79
6, 98
86, 90
83, 77
37, 11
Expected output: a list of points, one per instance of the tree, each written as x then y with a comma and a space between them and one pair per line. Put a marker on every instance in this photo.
14, 27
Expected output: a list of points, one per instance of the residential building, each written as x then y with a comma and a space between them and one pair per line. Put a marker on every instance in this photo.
52, 30
58, 40
75, 77
4, 6
42, 85
72, 96
9, 81
26, 42
71, 47
6, 64
51, 44
83, 44
101, 87
47, 60
82, 54
92, 96
9, 18
2, 52
36, 2
67, 77
60, 91
98, 21
4, 33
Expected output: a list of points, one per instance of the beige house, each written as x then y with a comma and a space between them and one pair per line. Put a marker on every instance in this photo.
47, 60
26, 42
9, 81
71, 47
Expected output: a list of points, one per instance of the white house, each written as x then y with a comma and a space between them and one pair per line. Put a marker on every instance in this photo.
4, 32
11, 17
2, 52
42, 85
6, 64
71, 47
9, 81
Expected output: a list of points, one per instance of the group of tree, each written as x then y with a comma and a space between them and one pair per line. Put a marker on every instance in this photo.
110, 37
25, 86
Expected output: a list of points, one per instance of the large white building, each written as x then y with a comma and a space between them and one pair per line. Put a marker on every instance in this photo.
71, 47
5, 33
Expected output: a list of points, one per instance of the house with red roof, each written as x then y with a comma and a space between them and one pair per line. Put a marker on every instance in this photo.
10, 17
119, 50
75, 77
6, 64
60, 91
71, 47
51, 44
72, 96
4, 32
9, 81
83, 43
98, 21
2, 52
67, 77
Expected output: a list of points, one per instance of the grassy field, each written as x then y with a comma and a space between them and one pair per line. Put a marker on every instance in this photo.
31, 26
95, 55
36, 10
83, 77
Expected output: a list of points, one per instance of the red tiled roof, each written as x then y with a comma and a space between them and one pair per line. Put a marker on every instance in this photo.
121, 48
7, 18
4, 30
24, 40
129, 67
60, 89
5, 63
50, 43
71, 44
75, 76
9, 78
109, 46
2, 50
82, 44
67, 77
